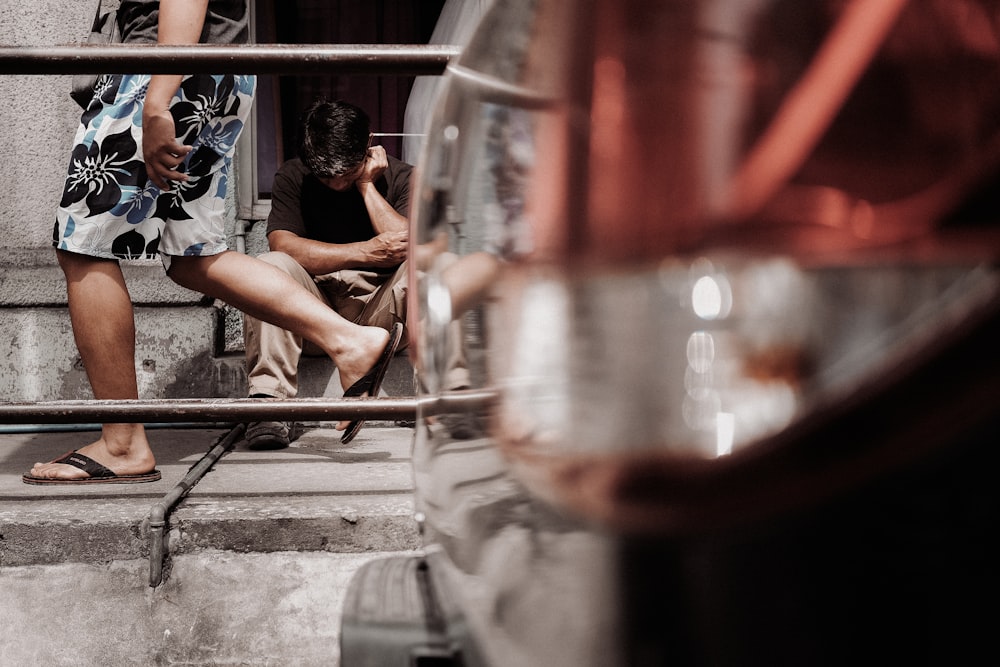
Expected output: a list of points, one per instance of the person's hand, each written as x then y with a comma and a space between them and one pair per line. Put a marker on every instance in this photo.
160, 150
388, 249
373, 166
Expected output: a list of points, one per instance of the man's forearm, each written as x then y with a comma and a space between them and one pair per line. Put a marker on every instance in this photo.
180, 22
319, 258
383, 216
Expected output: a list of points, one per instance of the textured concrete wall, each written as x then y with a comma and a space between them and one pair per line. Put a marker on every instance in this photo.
37, 120
174, 354
181, 336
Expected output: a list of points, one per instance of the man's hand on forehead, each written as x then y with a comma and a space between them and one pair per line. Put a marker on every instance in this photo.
374, 165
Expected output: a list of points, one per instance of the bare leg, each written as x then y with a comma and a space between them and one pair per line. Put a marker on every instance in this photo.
104, 328
269, 294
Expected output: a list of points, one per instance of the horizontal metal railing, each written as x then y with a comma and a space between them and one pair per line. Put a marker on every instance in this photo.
368, 59
240, 409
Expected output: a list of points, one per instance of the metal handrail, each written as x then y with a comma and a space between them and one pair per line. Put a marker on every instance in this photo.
240, 409
369, 59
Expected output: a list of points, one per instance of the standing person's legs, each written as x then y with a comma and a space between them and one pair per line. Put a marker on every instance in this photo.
110, 210
104, 329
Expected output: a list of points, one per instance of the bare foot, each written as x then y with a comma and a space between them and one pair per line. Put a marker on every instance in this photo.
133, 458
354, 364
357, 362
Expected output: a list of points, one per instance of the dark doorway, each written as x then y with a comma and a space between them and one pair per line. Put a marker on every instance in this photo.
282, 99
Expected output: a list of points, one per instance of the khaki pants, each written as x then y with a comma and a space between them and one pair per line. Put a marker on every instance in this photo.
364, 297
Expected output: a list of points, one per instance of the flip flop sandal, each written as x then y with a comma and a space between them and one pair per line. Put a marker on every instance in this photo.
99, 474
372, 381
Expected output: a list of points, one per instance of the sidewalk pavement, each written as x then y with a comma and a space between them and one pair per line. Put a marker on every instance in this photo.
258, 554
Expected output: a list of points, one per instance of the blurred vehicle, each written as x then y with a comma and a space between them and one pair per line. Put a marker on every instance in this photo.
727, 275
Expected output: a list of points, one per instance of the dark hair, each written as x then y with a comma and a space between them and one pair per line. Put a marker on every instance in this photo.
334, 138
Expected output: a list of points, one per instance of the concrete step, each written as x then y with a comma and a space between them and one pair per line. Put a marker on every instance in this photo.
315, 495
258, 553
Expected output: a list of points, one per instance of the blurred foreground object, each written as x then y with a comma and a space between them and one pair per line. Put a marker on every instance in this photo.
730, 266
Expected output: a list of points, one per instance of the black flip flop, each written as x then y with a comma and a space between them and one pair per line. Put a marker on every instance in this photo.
99, 474
372, 381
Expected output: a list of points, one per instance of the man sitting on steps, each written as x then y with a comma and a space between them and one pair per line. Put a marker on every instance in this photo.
338, 225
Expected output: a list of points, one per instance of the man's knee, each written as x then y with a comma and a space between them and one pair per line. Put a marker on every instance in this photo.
73, 264
281, 260
285, 263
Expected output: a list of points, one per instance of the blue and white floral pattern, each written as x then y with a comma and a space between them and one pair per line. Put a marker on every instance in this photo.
109, 207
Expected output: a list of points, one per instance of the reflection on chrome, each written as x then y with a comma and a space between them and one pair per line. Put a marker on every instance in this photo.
711, 297
701, 352
724, 433
724, 344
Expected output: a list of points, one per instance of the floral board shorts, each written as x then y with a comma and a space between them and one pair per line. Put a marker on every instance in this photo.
111, 210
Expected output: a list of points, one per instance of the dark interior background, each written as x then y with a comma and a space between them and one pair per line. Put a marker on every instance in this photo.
282, 99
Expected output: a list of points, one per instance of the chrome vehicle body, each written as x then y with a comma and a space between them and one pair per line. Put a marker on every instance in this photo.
728, 267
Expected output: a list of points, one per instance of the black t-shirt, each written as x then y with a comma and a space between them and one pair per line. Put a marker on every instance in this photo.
301, 204
226, 22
